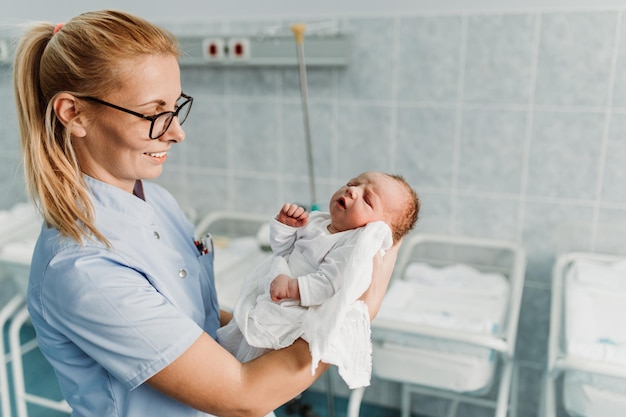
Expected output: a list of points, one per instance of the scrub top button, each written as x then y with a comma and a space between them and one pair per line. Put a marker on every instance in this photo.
156, 235
182, 273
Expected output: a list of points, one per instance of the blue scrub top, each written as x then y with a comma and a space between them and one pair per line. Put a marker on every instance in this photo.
108, 319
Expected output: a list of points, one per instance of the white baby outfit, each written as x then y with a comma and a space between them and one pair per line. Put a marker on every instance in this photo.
333, 271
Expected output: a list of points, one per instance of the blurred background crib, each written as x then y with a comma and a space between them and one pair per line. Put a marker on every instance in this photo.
19, 228
586, 370
240, 241
448, 324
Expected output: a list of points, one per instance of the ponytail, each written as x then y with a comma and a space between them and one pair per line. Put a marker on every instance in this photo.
82, 58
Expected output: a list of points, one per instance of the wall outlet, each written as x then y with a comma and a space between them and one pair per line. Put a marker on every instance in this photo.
239, 48
214, 49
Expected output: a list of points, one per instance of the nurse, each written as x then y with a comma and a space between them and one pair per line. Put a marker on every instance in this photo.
122, 301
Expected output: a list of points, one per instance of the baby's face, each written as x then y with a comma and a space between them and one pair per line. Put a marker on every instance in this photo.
371, 196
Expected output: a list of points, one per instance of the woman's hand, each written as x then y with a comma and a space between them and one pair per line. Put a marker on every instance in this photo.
381, 274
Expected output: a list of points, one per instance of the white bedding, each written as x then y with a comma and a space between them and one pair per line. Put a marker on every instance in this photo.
595, 304
234, 259
595, 308
455, 297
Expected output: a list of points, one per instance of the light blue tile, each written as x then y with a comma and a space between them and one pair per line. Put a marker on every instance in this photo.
320, 82
197, 80
619, 86
610, 233
210, 192
257, 195
207, 143
534, 326
363, 141
424, 152
435, 213
575, 53
428, 58
9, 138
369, 71
294, 139
613, 189
484, 217
499, 58
253, 82
254, 136
550, 230
299, 191
492, 147
565, 154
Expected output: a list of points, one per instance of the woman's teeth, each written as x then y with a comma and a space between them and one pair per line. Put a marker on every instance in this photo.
157, 154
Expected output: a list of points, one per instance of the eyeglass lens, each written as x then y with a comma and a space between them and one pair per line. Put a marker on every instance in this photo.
162, 123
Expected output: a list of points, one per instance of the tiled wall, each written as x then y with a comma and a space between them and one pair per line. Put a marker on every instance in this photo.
510, 126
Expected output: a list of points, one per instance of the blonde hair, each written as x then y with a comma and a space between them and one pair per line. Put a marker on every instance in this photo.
84, 57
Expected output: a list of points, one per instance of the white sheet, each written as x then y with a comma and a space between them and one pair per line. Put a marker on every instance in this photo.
234, 259
595, 307
595, 304
455, 297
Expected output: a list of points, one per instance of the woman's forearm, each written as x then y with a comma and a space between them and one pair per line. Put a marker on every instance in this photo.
209, 379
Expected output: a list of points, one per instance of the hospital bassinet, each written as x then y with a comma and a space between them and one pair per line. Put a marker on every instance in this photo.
449, 321
587, 341
19, 228
240, 241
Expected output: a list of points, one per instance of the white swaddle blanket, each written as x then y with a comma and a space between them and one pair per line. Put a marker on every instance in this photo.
338, 330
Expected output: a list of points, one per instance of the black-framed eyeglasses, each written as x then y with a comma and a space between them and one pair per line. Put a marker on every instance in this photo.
159, 123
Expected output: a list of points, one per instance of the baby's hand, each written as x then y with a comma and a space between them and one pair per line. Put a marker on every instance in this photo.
293, 215
284, 287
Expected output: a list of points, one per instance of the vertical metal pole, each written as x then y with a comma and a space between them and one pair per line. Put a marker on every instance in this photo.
298, 31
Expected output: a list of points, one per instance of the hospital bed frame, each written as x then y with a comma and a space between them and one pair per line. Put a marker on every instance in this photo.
14, 313
462, 250
558, 360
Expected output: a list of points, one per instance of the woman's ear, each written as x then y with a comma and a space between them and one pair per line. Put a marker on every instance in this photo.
67, 109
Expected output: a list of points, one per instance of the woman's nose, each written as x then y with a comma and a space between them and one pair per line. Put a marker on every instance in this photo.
174, 133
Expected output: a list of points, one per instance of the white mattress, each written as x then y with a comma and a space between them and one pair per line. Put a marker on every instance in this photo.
234, 259
456, 297
595, 305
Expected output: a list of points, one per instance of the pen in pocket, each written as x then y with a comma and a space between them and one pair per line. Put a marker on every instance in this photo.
205, 244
